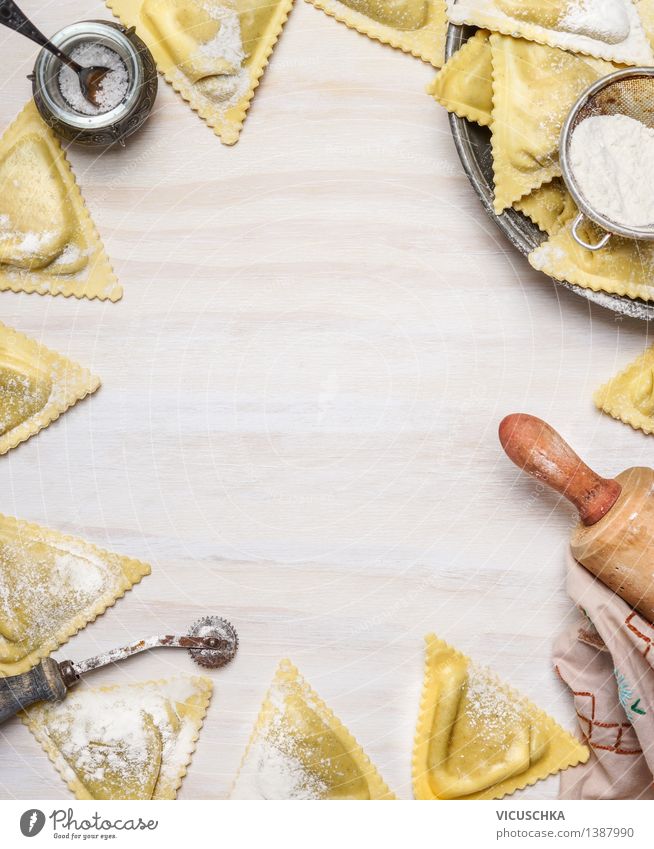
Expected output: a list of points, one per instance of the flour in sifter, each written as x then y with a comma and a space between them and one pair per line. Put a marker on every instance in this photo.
612, 161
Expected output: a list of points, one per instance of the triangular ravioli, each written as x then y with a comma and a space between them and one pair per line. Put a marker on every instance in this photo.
645, 9
300, 750
36, 387
629, 396
465, 85
51, 586
212, 53
48, 243
592, 27
131, 741
417, 27
622, 267
549, 207
525, 140
477, 738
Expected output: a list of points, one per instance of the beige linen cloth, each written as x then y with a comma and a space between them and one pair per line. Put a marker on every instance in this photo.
607, 661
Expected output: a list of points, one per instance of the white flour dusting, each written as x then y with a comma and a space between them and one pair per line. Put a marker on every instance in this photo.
22, 398
489, 707
270, 773
43, 586
227, 44
111, 90
612, 160
222, 89
275, 767
606, 20
100, 732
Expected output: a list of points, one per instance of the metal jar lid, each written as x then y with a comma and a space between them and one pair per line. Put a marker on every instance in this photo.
104, 128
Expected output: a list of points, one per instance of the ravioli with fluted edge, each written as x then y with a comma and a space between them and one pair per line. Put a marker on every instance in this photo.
465, 83
129, 741
417, 27
36, 387
477, 738
525, 141
612, 31
622, 267
300, 750
48, 243
52, 586
212, 53
629, 396
549, 207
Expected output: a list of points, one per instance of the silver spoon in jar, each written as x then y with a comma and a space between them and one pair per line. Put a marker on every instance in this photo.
89, 78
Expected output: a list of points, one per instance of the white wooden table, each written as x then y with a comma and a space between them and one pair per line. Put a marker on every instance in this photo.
301, 389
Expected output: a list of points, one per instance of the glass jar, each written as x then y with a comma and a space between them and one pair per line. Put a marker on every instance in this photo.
105, 128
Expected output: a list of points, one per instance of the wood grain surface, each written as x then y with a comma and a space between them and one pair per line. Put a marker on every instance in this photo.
297, 427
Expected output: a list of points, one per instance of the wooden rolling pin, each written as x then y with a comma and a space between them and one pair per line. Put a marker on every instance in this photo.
615, 536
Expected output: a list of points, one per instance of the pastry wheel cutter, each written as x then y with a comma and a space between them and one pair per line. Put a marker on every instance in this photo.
211, 641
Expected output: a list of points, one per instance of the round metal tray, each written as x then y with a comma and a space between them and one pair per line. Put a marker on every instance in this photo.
474, 148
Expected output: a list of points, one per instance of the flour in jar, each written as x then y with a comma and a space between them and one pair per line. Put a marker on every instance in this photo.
111, 90
612, 162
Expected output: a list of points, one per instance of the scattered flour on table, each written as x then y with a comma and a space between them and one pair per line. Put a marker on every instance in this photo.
111, 90
612, 161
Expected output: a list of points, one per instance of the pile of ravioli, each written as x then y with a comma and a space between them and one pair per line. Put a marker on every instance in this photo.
519, 75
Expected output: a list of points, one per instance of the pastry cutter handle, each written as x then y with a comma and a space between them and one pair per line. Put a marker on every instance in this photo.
43, 683
537, 449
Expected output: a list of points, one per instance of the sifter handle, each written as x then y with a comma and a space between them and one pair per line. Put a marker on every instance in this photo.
43, 683
537, 449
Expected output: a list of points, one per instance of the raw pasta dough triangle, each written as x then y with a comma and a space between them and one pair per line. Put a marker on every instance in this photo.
549, 206
36, 387
477, 738
51, 586
48, 242
465, 85
525, 139
212, 53
300, 750
629, 396
131, 741
622, 267
418, 27
607, 31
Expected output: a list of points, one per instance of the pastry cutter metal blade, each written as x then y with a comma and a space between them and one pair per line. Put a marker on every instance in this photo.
211, 641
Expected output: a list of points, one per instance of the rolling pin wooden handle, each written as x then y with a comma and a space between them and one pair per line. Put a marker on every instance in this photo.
43, 683
538, 449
